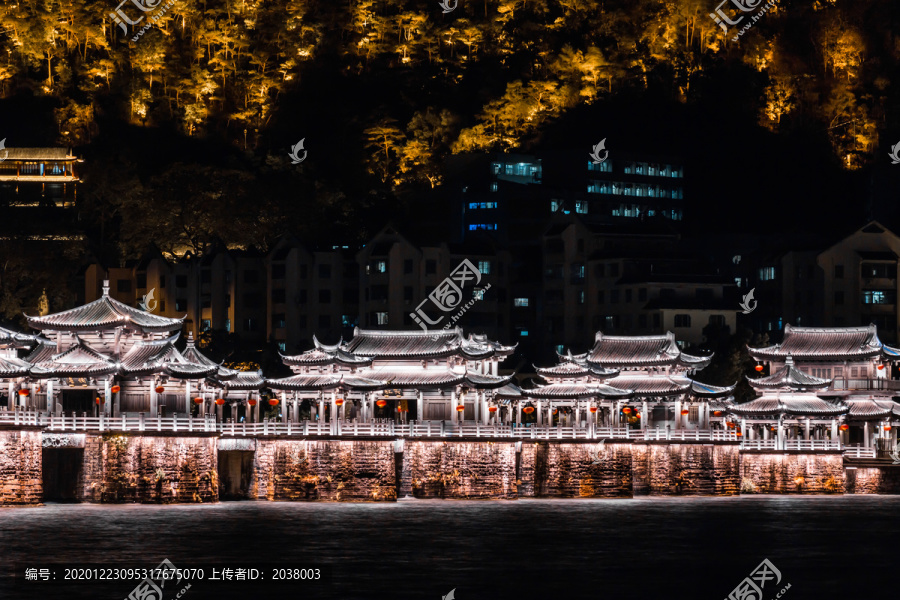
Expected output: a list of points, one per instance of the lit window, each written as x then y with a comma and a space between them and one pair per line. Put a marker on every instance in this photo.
381, 318
205, 325
610, 322
381, 266
520, 301
227, 324
523, 333
484, 266
495, 168
554, 205
560, 349
493, 186
581, 208
478, 294
581, 297
878, 297
767, 273
282, 346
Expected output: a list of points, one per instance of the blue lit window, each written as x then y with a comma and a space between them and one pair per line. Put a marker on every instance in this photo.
493, 186
560, 349
227, 324
581, 208
767, 273
520, 301
478, 294
381, 266
581, 297
878, 297
486, 226
205, 325
484, 266
282, 346
523, 333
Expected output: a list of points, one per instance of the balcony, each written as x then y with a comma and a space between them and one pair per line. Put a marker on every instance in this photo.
865, 384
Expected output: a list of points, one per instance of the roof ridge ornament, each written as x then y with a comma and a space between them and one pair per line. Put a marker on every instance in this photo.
106, 288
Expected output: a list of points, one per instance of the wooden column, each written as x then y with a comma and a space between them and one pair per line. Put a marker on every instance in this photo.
420, 405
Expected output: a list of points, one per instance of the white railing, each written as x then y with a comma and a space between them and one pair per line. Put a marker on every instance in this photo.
859, 452
685, 435
758, 445
812, 445
207, 424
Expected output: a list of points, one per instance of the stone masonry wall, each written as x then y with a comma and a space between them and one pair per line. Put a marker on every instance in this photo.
566, 470
150, 469
686, 469
20, 467
459, 470
792, 473
333, 470
873, 480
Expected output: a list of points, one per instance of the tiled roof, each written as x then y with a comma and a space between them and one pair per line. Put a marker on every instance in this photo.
245, 380
43, 351
104, 313
564, 370
802, 404
789, 377
414, 378
40, 154
711, 391
15, 339
13, 367
869, 408
407, 343
509, 391
571, 391
80, 360
418, 343
323, 354
659, 385
641, 351
306, 382
487, 382
805, 343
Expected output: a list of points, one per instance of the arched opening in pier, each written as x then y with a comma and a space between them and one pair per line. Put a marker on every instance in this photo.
235, 473
63, 474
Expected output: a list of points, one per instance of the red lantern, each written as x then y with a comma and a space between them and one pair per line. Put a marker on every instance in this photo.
844, 427
273, 401
198, 400
717, 413
555, 410
460, 408
593, 409
685, 412
739, 434
381, 403
637, 414
115, 389
220, 401
492, 409
887, 427
339, 401
626, 410
758, 368
528, 410
251, 402
400, 409
99, 400
24, 392
160, 389
881, 367
730, 424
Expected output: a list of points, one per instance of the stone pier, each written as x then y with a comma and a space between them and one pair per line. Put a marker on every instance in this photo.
20, 466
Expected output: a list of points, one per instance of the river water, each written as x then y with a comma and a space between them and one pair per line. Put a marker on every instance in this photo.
645, 548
